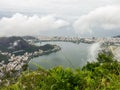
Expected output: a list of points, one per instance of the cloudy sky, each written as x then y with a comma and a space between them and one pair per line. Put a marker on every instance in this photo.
64, 17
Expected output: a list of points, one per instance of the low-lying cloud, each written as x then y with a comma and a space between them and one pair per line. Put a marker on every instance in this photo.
20, 24
104, 18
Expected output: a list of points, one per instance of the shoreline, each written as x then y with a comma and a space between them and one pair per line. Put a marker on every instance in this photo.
17, 64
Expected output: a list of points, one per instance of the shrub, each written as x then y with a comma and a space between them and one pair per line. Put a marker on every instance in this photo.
101, 75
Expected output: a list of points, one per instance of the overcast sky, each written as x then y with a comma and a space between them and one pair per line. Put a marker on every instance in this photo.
60, 17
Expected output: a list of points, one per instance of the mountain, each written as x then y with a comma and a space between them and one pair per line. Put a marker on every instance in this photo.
29, 38
118, 36
12, 44
19, 45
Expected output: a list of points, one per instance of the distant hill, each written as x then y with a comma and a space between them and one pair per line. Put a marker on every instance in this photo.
29, 37
19, 45
12, 44
118, 36
46, 47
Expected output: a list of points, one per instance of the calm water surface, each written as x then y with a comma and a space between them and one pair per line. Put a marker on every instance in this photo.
71, 55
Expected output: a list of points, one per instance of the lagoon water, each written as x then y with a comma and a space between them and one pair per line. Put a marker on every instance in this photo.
71, 55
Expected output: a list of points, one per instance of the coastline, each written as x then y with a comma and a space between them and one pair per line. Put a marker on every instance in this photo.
18, 64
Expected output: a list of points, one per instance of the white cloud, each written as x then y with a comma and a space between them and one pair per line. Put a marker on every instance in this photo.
60, 7
106, 18
70, 10
20, 24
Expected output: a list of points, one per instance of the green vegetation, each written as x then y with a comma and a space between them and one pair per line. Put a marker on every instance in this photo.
4, 58
7, 44
101, 75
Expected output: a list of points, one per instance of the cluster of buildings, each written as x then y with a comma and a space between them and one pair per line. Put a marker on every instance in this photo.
14, 67
112, 41
109, 41
17, 64
56, 38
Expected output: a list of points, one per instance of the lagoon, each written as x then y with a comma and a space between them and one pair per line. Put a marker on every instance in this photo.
71, 55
